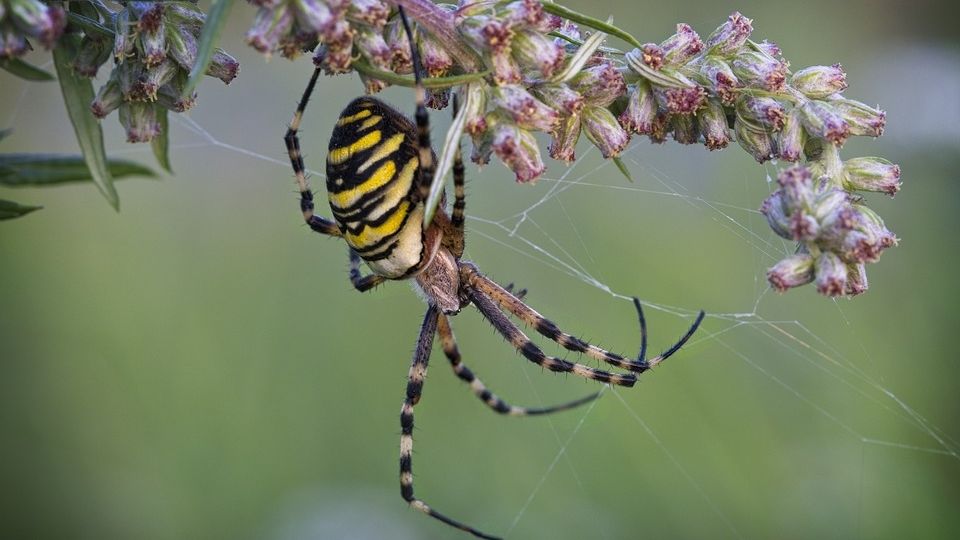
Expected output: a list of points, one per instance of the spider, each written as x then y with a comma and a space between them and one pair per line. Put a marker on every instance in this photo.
380, 166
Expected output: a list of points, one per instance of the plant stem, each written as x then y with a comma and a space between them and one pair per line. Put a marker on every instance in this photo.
590, 22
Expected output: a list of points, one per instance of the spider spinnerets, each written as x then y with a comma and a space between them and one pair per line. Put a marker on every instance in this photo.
380, 167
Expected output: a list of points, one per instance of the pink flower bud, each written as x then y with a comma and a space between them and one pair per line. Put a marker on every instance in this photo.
797, 185
524, 109
38, 19
831, 274
223, 66
182, 47
641, 109
822, 120
730, 36
603, 130
791, 272
774, 210
370, 12
818, 82
755, 68
765, 112
269, 27
436, 61
564, 142
518, 149
558, 96
600, 85
681, 47
862, 119
712, 120
152, 32
533, 50
721, 79
871, 174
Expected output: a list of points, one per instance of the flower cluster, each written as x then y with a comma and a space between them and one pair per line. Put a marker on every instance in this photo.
23, 19
837, 234
154, 49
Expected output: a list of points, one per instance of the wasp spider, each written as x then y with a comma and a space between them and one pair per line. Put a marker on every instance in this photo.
379, 169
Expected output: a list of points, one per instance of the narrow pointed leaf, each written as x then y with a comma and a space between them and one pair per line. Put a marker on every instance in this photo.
579, 58
24, 70
77, 96
10, 209
209, 36
623, 168
161, 143
36, 170
445, 162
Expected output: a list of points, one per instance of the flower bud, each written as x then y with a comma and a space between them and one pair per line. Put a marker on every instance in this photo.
564, 142
821, 120
768, 47
603, 130
558, 96
269, 26
529, 13
818, 82
313, 17
109, 97
831, 274
396, 37
797, 185
720, 79
681, 47
862, 119
505, 68
791, 139
185, 16
685, 129
791, 272
140, 121
477, 102
38, 19
831, 208
652, 56
123, 45
436, 61
600, 85
525, 110
856, 279
683, 100
730, 36
660, 128
774, 210
437, 98
533, 50
12, 43
223, 66
151, 79
871, 174
757, 142
761, 70
91, 54
763, 112
712, 120
371, 12
487, 33
641, 109
182, 47
518, 149
152, 31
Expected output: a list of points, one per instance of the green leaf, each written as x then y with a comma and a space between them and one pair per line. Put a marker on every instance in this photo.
77, 96
10, 209
590, 22
623, 168
161, 143
89, 26
24, 70
580, 58
20, 170
216, 19
451, 145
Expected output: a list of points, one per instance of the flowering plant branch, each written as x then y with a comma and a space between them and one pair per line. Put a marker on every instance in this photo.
527, 66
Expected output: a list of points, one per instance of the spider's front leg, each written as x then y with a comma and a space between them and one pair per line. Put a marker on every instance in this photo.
317, 223
418, 372
360, 282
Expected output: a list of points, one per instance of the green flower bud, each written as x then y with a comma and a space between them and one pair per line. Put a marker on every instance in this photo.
791, 272
831, 274
862, 119
524, 109
564, 142
822, 120
123, 45
558, 96
730, 36
758, 69
685, 129
599, 85
791, 139
641, 109
223, 66
712, 120
109, 97
533, 50
763, 112
818, 82
182, 47
152, 32
603, 130
871, 174
476, 122
856, 279
91, 54
140, 121
681, 47
757, 142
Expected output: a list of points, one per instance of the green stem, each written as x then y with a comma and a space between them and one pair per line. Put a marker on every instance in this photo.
430, 82
89, 25
590, 22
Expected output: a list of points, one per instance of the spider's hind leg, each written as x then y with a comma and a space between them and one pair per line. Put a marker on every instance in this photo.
360, 282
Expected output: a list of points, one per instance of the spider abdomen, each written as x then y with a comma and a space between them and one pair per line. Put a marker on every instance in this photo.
371, 174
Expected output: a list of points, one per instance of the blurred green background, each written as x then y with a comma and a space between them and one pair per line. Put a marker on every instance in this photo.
198, 366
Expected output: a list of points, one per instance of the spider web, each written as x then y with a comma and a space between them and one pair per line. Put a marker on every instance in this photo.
521, 234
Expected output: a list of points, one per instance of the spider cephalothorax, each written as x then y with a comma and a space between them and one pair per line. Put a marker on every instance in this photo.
379, 170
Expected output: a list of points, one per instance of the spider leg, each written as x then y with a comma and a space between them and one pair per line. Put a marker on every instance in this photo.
362, 283
519, 294
449, 344
459, 195
522, 343
418, 371
425, 170
547, 328
317, 223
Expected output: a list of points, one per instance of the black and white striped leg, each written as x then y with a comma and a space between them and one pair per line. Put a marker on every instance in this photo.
360, 282
457, 218
449, 343
547, 328
415, 379
317, 223
424, 148
488, 308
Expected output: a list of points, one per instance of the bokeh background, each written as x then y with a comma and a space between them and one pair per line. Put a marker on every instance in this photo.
198, 366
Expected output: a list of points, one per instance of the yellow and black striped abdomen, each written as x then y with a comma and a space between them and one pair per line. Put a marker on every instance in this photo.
371, 170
